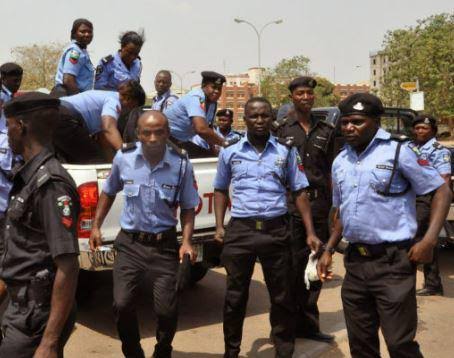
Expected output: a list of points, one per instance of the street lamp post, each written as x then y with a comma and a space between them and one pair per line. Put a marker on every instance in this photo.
180, 77
259, 40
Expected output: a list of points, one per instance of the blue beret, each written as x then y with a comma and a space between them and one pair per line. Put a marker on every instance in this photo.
361, 103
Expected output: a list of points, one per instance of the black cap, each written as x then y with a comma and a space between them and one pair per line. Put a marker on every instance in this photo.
11, 68
30, 102
303, 81
213, 77
225, 113
426, 119
361, 103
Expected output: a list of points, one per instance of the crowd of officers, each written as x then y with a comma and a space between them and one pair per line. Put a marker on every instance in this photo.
291, 196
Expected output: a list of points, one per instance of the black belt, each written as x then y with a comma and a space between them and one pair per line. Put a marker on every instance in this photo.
149, 238
377, 250
263, 224
313, 194
40, 293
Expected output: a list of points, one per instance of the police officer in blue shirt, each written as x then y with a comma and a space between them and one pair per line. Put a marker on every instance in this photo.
223, 129
75, 72
194, 114
155, 178
259, 167
88, 123
164, 97
375, 182
429, 150
122, 66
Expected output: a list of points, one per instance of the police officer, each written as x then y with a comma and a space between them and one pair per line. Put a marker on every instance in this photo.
375, 182
75, 71
10, 81
429, 150
88, 122
223, 129
314, 140
164, 97
122, 66
40, 265
259, 167
155, 178
194, 114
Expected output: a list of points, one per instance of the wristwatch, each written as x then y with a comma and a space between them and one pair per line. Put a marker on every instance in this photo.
331, 250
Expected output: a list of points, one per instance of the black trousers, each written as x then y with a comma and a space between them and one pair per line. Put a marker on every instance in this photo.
72, 141
432, 279
23, 326
194, 151
242, 246
134, 263
307, 315
380, 292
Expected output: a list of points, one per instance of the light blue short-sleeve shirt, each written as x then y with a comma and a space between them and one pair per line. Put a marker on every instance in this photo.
368, 216
111, 72
259, 180
94, 104
150, 192
437, 155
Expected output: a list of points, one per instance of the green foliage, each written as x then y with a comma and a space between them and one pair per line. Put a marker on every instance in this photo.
39, 63
425, 52
274, 84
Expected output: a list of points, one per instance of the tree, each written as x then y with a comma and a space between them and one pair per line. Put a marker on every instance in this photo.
324, 93
39, 63
423, 52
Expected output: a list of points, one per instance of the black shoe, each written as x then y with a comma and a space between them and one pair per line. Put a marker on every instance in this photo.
429, 292
318, 336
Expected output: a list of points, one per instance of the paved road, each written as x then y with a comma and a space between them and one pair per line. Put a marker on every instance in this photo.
200, 328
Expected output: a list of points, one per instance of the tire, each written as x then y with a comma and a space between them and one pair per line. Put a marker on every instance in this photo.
198, 271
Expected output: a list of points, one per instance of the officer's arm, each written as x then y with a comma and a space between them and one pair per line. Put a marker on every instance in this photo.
221, 201
304, 208
207, 133
187, 217
110, 133
439, 210
104, 204
69, 82
62, 301
446, 178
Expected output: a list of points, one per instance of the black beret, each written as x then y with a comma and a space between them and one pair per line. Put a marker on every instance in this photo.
225, 112
361, 103
30, 102
213, 77
11, 68
303, 81
426, 119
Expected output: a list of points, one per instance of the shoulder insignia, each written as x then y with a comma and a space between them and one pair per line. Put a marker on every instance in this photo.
437, 145
275, 125
232, 141
238, 133
414, 148
287, 141
399, 137
107, 59
74, 56
126, 147
43, 175
180, 151
99, 70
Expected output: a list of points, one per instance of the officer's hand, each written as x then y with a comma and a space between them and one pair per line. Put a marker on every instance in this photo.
187, 249
324, 267
219, 235
46, 351
313, 242
421, 252
95, 239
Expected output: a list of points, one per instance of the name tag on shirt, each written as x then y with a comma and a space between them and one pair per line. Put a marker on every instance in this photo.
3, 150
383, 166
234, 162
168, 186
129, 181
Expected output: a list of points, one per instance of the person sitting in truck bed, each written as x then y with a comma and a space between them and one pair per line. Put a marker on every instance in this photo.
88, 123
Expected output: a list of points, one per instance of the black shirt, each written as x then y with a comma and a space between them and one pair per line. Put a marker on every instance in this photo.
41, 219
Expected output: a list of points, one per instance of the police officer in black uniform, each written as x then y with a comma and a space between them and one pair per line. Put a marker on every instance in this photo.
39, 265
315, 142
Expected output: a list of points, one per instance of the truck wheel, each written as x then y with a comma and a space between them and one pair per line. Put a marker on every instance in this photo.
198, 271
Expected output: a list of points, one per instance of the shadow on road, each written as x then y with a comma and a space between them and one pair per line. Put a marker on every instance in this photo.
200, 306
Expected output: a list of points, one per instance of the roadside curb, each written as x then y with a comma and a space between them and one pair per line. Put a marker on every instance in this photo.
317, 348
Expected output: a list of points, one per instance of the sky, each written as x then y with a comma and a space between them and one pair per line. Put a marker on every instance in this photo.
197, 35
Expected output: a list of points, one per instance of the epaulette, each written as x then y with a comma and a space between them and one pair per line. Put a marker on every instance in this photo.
278, 123
238, 133
232, 141
126, 147
180, 151
399, 137
107, 59
437, 145
287, 141
43, 175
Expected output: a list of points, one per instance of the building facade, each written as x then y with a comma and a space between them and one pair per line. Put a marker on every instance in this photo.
378, 67
345, 90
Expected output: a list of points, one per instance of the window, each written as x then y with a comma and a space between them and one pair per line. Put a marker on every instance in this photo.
375, 72
229, 94
229, 105
375, 61
240, 94
375, 83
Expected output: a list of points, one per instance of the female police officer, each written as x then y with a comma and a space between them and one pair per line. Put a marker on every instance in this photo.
122, 66
75, 71
375, 182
